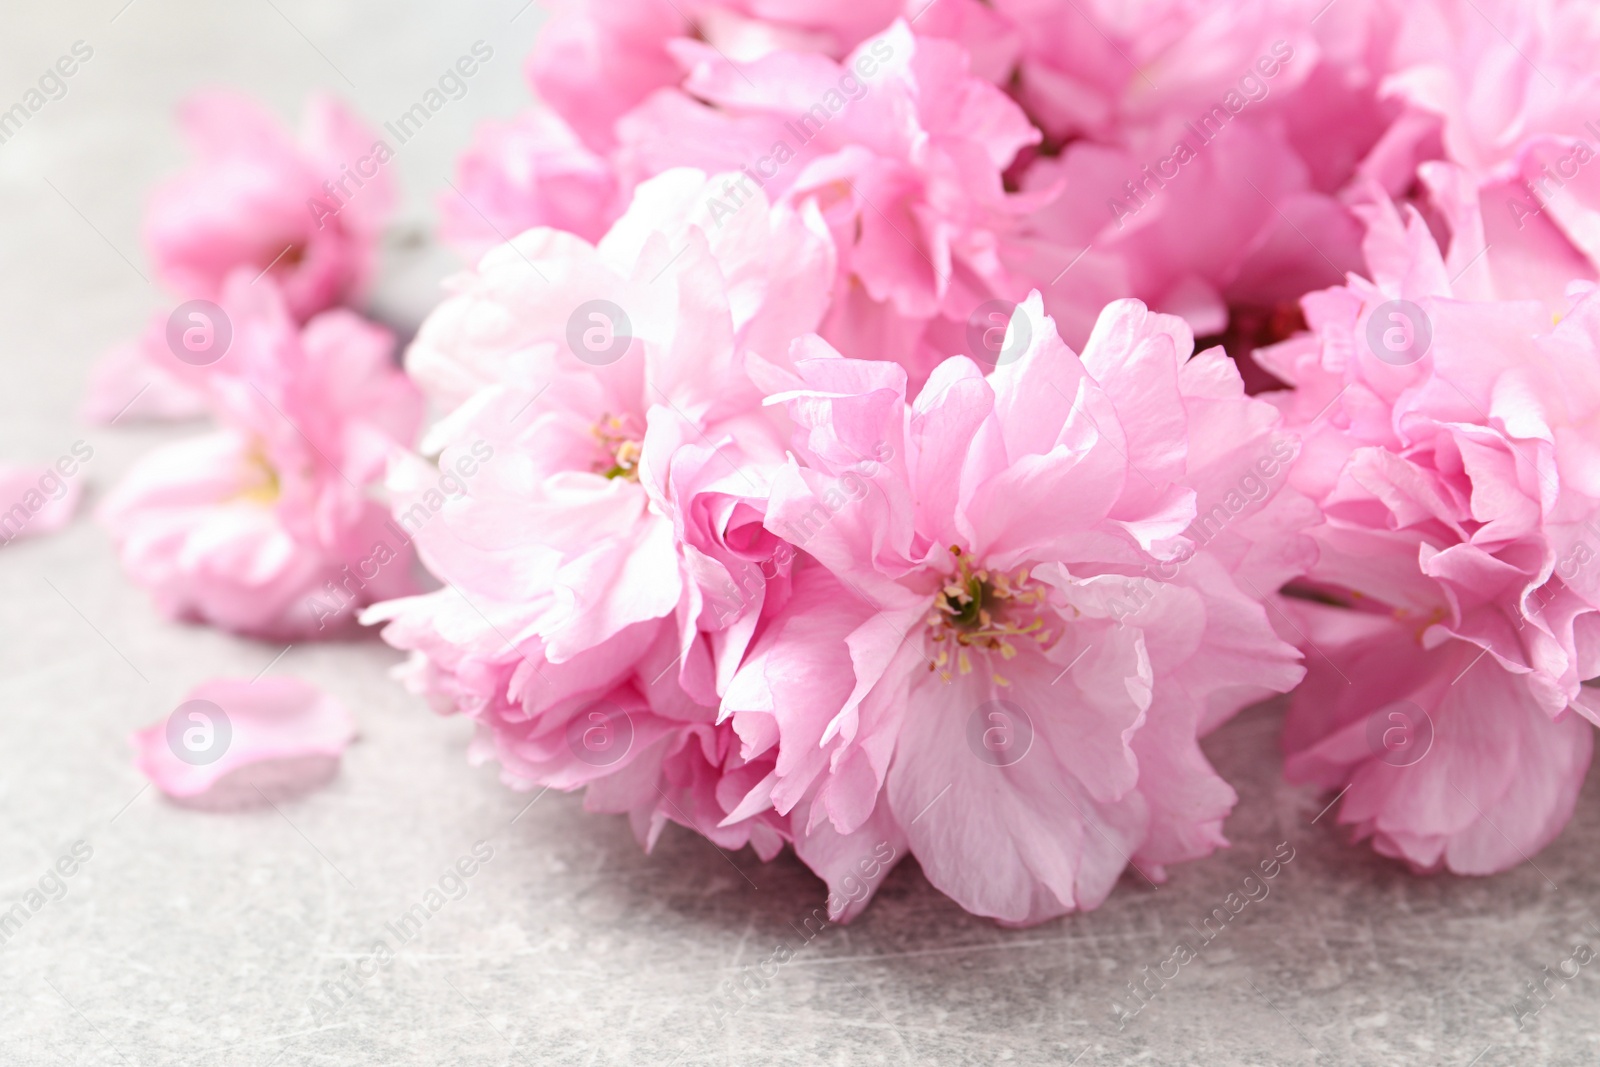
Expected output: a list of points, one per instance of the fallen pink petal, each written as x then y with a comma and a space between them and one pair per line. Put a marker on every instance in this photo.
39, 500
227, 724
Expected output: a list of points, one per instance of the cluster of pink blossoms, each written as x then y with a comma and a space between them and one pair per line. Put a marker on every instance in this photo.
892, 510
1454, 603
270, 525
724, 576
908, 427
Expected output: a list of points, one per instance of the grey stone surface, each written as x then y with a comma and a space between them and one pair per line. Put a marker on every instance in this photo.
201, 938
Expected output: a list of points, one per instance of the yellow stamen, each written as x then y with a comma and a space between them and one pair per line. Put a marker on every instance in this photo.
977, 609
618, 441
266, 486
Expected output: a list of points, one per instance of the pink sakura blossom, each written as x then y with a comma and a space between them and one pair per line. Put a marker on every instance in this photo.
309, 212
1451, 442
900, 139
549, 308
975, 660
1201, 169
608, 565
229, 725
650, 597
251, 527
611, 720
899, 146
623, 610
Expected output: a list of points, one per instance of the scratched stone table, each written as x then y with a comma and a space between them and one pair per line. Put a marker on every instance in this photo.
204, 938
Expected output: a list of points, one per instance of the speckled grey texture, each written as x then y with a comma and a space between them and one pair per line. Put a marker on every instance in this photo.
200, 938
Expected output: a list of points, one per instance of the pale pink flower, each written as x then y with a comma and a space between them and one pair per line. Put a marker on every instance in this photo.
607, 566
1202, 153
549, 307
1003, 651
1452, 761
1075, 561
266, 526
228, 725
750, 29
1451, 444
308, 211
900, 147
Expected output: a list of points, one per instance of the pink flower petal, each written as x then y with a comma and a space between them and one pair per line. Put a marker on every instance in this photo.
37, 500
227, 724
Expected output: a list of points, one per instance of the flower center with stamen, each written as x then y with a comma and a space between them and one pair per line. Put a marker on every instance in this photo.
979, 610
264, 486
621, 448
